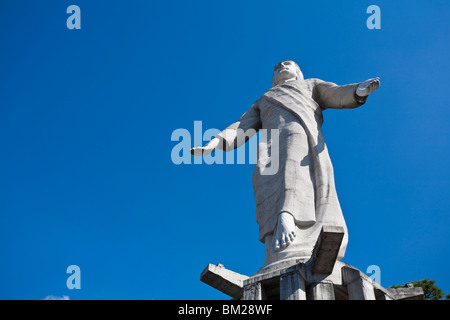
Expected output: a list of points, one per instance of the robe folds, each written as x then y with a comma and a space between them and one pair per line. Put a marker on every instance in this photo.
303, 183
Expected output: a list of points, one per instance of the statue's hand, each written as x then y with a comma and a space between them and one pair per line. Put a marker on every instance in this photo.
201, 151
367, 87
204, 151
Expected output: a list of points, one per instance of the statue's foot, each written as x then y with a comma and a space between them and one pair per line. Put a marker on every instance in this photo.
285, 231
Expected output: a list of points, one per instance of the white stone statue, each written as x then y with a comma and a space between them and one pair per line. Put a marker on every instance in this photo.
293, 204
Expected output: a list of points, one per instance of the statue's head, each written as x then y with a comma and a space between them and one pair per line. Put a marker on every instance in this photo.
286, 70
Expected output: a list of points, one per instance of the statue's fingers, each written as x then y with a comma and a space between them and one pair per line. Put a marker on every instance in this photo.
195, 152
363, 86
374, 86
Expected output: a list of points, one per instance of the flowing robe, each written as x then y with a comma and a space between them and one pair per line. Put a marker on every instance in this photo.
303, 185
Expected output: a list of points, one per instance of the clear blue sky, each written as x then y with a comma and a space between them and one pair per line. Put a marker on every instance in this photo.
86, 118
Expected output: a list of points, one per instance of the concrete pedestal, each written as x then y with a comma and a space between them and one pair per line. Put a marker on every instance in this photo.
322, 277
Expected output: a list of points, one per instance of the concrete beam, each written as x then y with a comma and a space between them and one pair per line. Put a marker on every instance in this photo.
292, 287
326, 249
358, 286
254, 291
322, 291
224, 280
415, 293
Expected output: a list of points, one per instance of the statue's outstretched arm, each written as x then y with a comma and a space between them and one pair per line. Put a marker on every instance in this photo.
235, 135
330, 95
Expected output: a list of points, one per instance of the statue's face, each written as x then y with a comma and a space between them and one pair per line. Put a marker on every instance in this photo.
286, 70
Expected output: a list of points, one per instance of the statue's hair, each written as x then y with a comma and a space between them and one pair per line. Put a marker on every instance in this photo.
298, 71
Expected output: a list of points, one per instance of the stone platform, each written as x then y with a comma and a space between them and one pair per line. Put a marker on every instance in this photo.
321, 277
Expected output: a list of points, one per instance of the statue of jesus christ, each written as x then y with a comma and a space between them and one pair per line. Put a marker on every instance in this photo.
294, 203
